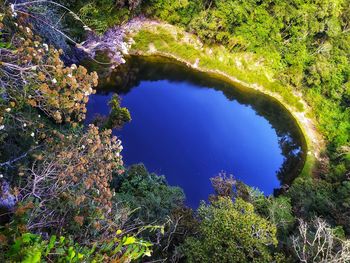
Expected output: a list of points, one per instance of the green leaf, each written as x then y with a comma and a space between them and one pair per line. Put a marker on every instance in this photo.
129, 240
51, 244
62, 239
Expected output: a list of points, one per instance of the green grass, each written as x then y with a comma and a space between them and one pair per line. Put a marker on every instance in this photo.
249, 69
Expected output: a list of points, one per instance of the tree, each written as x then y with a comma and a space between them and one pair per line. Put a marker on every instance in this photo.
118, 115
148, 193
231, 232
318, 242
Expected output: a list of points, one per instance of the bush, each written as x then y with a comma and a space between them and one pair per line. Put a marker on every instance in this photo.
148, 194
231, 232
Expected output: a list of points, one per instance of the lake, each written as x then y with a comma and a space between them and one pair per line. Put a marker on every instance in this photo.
190, 126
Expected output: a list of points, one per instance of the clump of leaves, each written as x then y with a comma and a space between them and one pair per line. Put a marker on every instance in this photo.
69, 184
33, 73
118, 115
30, 247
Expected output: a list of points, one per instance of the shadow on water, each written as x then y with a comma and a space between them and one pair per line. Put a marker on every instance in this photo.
290, 138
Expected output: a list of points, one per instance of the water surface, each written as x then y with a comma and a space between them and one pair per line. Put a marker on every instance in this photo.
189, 127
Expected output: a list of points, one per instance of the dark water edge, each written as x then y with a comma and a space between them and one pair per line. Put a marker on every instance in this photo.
138, 70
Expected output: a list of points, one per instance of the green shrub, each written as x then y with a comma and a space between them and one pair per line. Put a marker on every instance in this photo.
231, 232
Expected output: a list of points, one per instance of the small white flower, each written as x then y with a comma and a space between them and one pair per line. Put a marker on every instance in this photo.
8, 109
83, 146
34, 54
98, 191
30, 96
46, 47
16, 24
34, 68
1, 176
86, 93
73, 66
39, 115
28, 29
69, 75
32, 134
2, 127
24, 124
54, 81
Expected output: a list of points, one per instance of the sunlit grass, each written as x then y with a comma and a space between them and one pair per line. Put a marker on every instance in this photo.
243, 66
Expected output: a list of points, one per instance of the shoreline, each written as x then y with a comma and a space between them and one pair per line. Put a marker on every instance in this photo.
313, 139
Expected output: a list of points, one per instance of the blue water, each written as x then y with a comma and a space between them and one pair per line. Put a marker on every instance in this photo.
190, 133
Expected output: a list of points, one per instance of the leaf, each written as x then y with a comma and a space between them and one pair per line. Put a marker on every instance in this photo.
129, 240
71, 253
28, 237
148, 253
62, 239
33, 256
51, 244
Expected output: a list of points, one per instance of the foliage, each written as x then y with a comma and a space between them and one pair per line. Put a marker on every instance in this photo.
102, 14
304, 42
281, 215
223, 185
174, 11
29, 247
149, 194
72, 177
231, 232
60, 173
36, 74
118, 115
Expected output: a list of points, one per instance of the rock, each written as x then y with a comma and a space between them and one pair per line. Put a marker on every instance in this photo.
196, 63
152, 48
7, 200
112, 41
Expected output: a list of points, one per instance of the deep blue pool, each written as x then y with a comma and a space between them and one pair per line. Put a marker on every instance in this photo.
189, 128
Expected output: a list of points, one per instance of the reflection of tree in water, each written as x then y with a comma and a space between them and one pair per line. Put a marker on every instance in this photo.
291, 140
